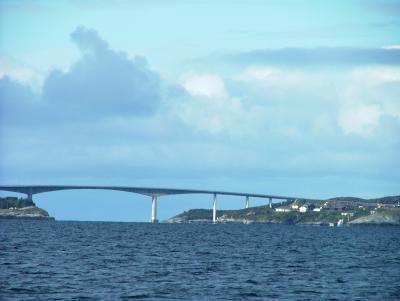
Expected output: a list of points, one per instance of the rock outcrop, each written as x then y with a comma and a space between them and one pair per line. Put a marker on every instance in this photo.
31, 212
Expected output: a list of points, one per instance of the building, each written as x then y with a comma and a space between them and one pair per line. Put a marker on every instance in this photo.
303, 209
347, 213
317, 209
385, 206
283, 209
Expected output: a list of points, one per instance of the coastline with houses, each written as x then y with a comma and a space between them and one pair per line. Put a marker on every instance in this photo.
332, 212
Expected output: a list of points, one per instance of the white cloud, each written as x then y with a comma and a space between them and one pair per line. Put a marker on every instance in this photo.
353, 100
215, 117
275, 77
359, 119
212, 110
390, 47
208, 85
372, 76
369, 94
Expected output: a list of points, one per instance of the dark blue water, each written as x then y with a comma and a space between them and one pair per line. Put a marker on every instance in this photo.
45, 260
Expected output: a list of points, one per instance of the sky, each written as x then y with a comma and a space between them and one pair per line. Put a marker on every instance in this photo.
298, 98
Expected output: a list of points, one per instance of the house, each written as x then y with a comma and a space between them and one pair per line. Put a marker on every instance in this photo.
303, 208
317, 209
294, 206
283, 209
347, 213
384, 206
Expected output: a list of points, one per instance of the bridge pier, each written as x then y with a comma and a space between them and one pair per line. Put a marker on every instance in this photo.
154, 209
247, 202
214, 208
270, 202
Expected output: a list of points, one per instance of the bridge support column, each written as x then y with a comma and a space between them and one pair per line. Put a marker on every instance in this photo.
154, 209
270, 202
215, 208
247, 202
29, 195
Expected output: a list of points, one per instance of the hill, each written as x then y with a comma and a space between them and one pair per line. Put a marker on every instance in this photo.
322, 212
12, 207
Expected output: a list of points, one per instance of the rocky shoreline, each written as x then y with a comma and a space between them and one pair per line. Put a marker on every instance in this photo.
265, 215
368, 220
31, 212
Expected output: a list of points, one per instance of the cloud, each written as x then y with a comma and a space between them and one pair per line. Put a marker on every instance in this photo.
388, 7
272, 76
103, 81
355, 101
16, 101
210, 109
109, 114
322, 56
391, 47
101, 84
359, 119
89, 40
374, 76
370, 96
205, 85
22, 73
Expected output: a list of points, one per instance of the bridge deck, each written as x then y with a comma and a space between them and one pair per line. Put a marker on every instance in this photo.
149, 191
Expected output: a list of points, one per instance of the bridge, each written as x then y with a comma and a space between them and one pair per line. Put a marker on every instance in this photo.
154, 193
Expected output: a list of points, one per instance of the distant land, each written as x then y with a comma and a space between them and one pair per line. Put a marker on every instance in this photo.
19, 208
346, 210
349, 210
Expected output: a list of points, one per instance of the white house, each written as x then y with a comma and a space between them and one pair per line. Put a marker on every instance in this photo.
294, 206
303, 209
283, 209
347, 213
317, 209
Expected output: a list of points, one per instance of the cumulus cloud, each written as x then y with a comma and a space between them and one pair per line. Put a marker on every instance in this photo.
374, 76
88, 40
109, 113
354, 100
212, 110
103, 81
16, 101
20, 72
369, 95
359, 119
208, 85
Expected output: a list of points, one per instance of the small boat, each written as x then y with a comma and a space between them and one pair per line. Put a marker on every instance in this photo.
340, 223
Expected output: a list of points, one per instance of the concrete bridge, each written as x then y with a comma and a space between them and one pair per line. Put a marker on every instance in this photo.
154, 193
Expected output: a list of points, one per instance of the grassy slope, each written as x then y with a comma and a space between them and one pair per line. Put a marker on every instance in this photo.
266, 214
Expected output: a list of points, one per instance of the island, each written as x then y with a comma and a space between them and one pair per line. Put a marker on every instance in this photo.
330, 212
20, 208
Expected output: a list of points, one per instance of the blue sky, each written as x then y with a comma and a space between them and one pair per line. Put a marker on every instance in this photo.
285, 97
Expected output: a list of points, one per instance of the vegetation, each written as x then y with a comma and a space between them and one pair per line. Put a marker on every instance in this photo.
13, 202
330, 212
15, 208
262, 214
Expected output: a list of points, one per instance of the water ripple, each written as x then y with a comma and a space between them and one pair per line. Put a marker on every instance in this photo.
47, 260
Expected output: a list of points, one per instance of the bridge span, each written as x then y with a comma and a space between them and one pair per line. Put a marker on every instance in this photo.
154, 193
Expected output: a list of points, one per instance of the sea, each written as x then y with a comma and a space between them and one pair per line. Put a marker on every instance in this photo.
67, 260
